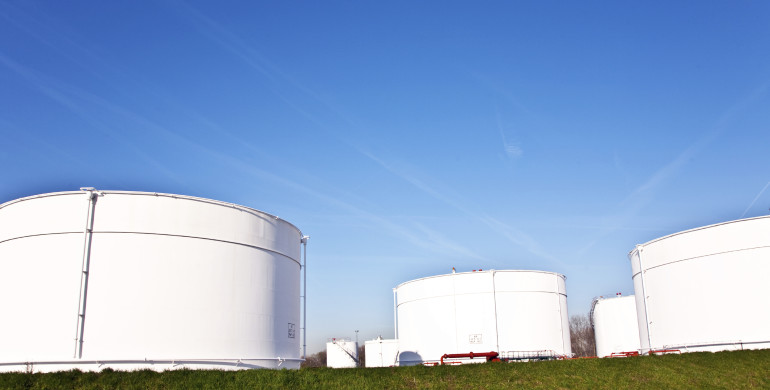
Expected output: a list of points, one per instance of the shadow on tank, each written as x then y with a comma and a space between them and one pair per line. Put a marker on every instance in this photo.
409, 358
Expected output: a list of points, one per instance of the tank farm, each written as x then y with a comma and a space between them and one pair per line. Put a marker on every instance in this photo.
129, 280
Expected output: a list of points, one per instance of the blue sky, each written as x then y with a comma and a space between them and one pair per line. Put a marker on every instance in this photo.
405, 138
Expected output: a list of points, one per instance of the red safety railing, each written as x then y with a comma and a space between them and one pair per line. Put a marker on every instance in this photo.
577, 357
490, 356
624, 354
664, 351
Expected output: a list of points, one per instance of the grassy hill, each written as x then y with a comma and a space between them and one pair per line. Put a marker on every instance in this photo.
727, 370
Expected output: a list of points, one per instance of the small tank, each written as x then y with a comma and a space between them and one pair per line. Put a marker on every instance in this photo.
615, 325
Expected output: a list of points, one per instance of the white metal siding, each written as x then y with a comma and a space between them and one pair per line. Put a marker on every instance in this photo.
501, 311
704, 289
341, 354
616, 328
381, 353
174, 281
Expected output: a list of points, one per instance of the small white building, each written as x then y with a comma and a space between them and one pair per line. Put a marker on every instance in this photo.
615, 325
381, 353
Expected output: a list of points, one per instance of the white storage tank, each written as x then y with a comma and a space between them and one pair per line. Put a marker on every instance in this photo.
616, 329
520, 314
129, 280
341, 353
381, 353
705, 289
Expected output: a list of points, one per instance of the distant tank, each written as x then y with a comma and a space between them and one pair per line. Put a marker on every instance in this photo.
341, 353
520, 314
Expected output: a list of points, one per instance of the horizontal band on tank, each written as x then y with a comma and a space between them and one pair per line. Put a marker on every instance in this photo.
249, 210
32, 197
701, 257
95, 232
235, 363
477, 293
39, 235
483, 272
716, 344
202, 238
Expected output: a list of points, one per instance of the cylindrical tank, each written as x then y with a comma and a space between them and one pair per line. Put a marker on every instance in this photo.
341, 353
705, 289
520, 314
126, 280
616, 329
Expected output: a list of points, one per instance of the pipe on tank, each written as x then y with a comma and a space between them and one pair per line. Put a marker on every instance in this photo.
494, 299
88, 235
395, 314
304, 298
639, 249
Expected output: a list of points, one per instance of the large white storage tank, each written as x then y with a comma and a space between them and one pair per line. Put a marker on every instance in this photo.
381, 353
516, 313
126, 280
616, 328
341, 353
705, 289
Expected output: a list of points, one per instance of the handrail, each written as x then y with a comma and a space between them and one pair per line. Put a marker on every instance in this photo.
490, 356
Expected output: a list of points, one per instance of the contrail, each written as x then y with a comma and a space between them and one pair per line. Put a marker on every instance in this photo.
755, 199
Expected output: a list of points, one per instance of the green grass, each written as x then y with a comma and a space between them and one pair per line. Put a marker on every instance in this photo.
723, 370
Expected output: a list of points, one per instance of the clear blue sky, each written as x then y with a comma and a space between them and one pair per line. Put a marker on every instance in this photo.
405, 138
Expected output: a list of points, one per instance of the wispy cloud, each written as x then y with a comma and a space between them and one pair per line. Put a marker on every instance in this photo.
645, 194
514, 235
512, 149
279, 82
83, 103
521, 239
56, 37
74, 99
448, 246
755, 200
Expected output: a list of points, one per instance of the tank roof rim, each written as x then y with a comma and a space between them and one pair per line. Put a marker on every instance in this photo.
147, 193
713, 225
477, 272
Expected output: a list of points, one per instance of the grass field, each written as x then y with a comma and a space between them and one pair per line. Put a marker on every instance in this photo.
724, 370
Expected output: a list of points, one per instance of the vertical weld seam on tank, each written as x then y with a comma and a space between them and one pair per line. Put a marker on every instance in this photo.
494, 299
454, 309
561, 315
304, 297
395, 314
